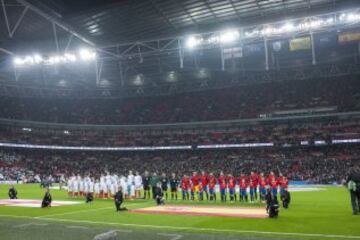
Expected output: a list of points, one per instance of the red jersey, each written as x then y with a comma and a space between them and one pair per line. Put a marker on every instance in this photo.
221, 178
284, 182
192, 186
255, 178
204, 180
185, 183
270, 179
243, 183
212, 182
242, 177
273, 183
231, 182
252, 184
195, 180
222, 182
262, 182
280, 179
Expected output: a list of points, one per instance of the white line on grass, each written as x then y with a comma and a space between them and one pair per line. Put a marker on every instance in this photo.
173, 236
30, 224
195, 229
77, 227
123, 230
106, 235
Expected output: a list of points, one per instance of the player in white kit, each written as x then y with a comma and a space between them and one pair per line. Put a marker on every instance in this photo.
131, 184
138, 185
97, 188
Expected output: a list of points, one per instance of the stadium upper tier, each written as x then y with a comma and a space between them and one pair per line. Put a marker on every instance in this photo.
338, 94
279, 134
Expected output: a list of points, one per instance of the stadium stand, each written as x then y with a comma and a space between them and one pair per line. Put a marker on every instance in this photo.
250, 101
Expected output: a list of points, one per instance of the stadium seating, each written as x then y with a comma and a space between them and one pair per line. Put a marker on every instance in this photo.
251, 101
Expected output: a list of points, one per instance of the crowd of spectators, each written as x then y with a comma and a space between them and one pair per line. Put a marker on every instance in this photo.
277, 133
312, 164
248, 101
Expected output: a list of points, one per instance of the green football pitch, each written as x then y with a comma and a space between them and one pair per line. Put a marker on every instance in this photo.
322, 214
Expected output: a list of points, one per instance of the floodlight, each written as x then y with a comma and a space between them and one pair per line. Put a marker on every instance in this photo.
353, 17
192, 42
29, 60
288, 27
18, 61
37, 58
70, 57
229, 36
87, 55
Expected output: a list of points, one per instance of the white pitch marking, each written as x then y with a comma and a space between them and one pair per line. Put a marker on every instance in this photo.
173, 236
77, 227
193, 228
123, 230
106, 235
30, 224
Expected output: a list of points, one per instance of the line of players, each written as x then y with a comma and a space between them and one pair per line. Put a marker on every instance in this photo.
197, 186
204, 184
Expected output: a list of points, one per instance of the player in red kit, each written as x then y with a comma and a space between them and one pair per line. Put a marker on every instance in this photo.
273, 183
204, 179
185, 184
270, 178
255, 181
262, 186
223, 185
243, 186
201, 191
194, 184
231, 186
212, 185
283, 183
252, 186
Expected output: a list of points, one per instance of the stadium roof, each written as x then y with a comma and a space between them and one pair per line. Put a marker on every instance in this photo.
107, 22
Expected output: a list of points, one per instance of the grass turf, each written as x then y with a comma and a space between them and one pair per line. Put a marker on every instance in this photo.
312, 215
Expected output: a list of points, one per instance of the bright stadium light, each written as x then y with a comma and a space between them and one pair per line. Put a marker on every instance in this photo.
192, 42
288, 27
87, 55
18, 61
229, 36
38, 59
70, 57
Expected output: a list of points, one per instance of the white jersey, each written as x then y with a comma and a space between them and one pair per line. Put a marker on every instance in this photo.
97, 187
104, 187
113, 188
91, 186
86, 186
123, 184
75, 186
70, 185
138, 182
81, 186
130, 179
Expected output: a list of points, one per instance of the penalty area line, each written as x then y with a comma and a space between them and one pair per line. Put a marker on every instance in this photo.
332, 236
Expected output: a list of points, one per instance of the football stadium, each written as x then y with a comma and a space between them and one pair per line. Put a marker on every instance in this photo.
179, 119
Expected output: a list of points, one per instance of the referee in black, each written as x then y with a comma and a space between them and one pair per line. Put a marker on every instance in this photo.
146, 184
353, 184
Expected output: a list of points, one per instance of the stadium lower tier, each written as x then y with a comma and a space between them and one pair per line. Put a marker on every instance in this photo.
323, 164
